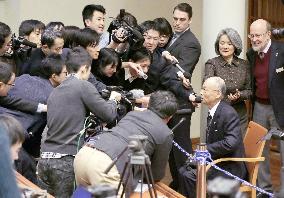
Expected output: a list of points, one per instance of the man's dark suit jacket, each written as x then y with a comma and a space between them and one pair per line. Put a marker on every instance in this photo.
276, 79
225, 140
187, 50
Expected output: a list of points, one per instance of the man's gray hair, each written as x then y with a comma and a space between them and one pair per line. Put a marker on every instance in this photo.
220, 84
234, 38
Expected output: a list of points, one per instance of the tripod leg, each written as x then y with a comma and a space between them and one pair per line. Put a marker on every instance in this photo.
148, 181
142, 176
151, 178
122, 177
127, 178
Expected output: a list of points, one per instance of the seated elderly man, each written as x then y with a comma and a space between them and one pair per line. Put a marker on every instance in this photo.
95, 157
223, 137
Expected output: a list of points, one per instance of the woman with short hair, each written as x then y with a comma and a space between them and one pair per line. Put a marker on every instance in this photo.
233, 70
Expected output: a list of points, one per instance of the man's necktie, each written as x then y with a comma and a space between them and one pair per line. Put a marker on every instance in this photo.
209, 119
261, 55
174, 38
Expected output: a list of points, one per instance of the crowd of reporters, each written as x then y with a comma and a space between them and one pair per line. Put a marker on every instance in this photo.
51, 64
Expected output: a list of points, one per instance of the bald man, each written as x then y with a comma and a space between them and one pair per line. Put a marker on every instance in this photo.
223, 137
267, 63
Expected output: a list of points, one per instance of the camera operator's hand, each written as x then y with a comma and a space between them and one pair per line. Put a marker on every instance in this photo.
167, 55
115, 96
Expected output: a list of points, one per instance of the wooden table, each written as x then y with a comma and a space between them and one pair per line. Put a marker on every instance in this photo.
162, 190
25, 183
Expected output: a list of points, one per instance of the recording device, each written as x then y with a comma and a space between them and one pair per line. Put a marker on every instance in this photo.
130, 34
19, 45
125, 105
102, 191
195, 98
278, 32
142, 74
184, 73
125, 95
221, 187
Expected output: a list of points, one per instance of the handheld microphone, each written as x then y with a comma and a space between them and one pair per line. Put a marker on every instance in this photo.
28, 43
142, 74
179, 123
194, 98
183, 111
185, 74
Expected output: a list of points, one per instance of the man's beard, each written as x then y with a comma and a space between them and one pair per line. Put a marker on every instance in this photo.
256, 48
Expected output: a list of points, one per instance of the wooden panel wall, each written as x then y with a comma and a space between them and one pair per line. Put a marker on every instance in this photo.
271, 10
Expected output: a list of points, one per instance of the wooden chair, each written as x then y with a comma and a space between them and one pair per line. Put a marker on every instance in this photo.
253, 153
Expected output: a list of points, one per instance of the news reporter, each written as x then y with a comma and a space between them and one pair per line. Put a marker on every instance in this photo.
68, 105
95, 157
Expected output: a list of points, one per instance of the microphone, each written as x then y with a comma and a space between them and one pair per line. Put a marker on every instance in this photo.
194, 98
28, 43
142, 74
179, 123
183, 111
185, 74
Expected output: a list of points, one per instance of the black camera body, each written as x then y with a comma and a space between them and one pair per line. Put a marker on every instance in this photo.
19, 46
278, 33
124, 106
130, 34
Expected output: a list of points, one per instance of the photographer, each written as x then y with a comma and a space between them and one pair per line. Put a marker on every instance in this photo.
5, 38
124, 33
95, 157
30, 32
88, 39
68, 105
51, 42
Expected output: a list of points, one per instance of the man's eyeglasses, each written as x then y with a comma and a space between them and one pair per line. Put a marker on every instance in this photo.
207, 90
257, 36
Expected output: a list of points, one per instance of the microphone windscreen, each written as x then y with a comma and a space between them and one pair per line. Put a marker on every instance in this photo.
137, 93
198, 99
28, 43
187, 75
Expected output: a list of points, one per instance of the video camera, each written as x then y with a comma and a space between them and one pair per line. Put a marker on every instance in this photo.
125, 105
126, 97
130, 34
19, 45
278, 33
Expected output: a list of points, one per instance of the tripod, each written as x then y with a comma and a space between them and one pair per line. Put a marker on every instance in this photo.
137, 158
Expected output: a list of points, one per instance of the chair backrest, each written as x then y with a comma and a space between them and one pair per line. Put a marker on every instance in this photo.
253, 145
